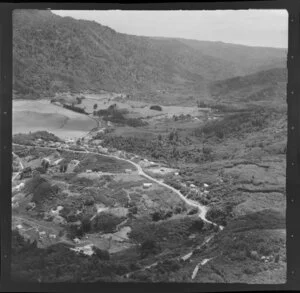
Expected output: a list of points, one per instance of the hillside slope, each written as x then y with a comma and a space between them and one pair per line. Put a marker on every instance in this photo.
267, 87
55, 54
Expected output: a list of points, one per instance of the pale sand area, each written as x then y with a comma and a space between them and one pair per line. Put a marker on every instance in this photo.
29, 115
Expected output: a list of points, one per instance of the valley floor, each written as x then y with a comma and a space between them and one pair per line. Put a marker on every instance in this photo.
147, 218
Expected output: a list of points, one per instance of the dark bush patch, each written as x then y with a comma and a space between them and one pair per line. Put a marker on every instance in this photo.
105, 222
148, 247
156, 107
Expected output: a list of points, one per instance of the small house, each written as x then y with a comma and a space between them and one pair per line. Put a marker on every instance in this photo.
147, 185
97, 141
57, 161
128, 170
31, 205
76, 240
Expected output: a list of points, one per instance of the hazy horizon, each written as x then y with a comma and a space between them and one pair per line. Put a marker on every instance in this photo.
255, 28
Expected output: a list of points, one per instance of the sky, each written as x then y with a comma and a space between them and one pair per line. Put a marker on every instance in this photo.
266, 28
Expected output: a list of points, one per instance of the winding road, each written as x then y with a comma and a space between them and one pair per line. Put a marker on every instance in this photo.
201, 208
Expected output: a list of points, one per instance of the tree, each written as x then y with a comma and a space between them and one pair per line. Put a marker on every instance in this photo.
149, 246
86, 225
101, 254
63, 168
197, 225
78, 100
95, 106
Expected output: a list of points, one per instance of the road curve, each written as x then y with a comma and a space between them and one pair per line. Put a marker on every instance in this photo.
201, 208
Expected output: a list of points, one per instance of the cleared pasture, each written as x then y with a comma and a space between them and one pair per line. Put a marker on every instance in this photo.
42, 115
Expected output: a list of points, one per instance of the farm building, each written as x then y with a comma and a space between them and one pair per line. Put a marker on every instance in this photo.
57, 161
103, 150
147, 185
97, 142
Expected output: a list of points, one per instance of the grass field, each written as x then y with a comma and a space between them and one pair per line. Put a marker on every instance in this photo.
41, 115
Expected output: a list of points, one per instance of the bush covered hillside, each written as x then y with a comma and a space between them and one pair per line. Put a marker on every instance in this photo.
53, 54
264, 85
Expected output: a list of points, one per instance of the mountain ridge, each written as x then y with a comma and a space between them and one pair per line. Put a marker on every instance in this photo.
57, 54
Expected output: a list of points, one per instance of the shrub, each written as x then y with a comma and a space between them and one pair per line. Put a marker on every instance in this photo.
101, 254
149, 246
193, 211
201, 104
86, 225
41, 170
207, 150
75, 109
89, 200
28, 138
105, 222
133, 210
170, 265
142, 276
239, 255
74, 231
218, 215
156, 107
197, 225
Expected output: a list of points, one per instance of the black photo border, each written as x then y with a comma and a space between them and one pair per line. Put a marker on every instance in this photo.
292, 156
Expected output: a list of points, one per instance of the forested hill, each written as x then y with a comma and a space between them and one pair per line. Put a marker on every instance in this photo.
268, 85
55, 54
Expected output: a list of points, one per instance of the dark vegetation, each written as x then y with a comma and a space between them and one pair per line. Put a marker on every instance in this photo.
117, 116
28, 138
237, 123
245, 85
58, 263
41, 189
156, 107
101, 163
245, 237
81, 63
166, 234
75, 109
105, 222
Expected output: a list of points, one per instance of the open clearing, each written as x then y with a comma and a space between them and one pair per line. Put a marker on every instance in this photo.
41, 115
